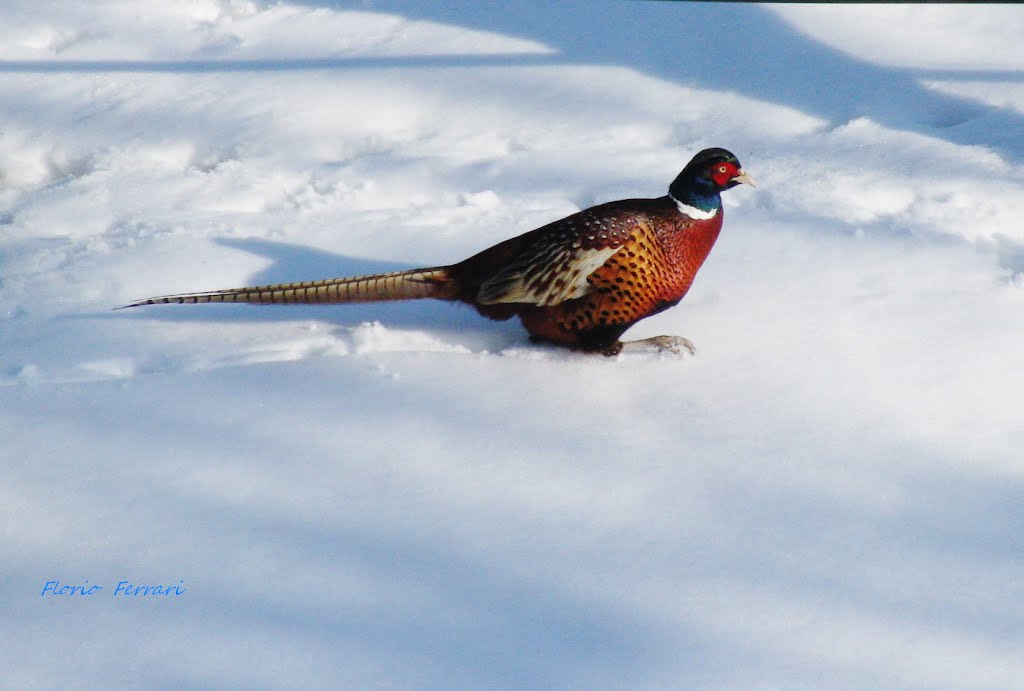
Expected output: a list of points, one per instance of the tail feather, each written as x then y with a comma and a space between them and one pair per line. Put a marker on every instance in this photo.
399, 285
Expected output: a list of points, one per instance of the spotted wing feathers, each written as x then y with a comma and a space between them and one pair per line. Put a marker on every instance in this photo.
548, 276
555, 264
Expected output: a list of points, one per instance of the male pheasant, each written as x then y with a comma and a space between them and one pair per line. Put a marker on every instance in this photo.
579, 282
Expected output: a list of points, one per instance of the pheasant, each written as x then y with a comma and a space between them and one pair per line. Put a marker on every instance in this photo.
579, 282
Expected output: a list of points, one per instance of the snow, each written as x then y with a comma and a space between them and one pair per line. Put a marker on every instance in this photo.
828, 495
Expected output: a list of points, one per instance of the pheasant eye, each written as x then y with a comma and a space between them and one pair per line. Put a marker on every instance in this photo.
722, 169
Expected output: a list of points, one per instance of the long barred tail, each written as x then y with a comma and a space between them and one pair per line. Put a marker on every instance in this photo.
399, 285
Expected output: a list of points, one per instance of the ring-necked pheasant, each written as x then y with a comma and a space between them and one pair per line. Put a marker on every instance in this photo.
579, 282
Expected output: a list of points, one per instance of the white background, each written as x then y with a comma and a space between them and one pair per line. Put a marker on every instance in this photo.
829, 495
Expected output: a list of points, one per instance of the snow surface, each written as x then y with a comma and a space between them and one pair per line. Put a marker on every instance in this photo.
829, 495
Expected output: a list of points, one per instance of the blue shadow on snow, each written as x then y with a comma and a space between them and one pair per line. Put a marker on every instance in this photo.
735, 47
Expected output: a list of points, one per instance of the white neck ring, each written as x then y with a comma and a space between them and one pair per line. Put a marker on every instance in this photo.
693, 212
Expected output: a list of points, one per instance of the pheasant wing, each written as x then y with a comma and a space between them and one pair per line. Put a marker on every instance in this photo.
554, 266
545, 277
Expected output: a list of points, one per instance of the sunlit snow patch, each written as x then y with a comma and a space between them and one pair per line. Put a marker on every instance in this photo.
376, 338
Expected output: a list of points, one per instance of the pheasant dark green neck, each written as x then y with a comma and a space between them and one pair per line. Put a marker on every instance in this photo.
698, 194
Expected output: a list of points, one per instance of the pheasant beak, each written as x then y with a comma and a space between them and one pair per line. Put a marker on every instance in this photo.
744, 178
